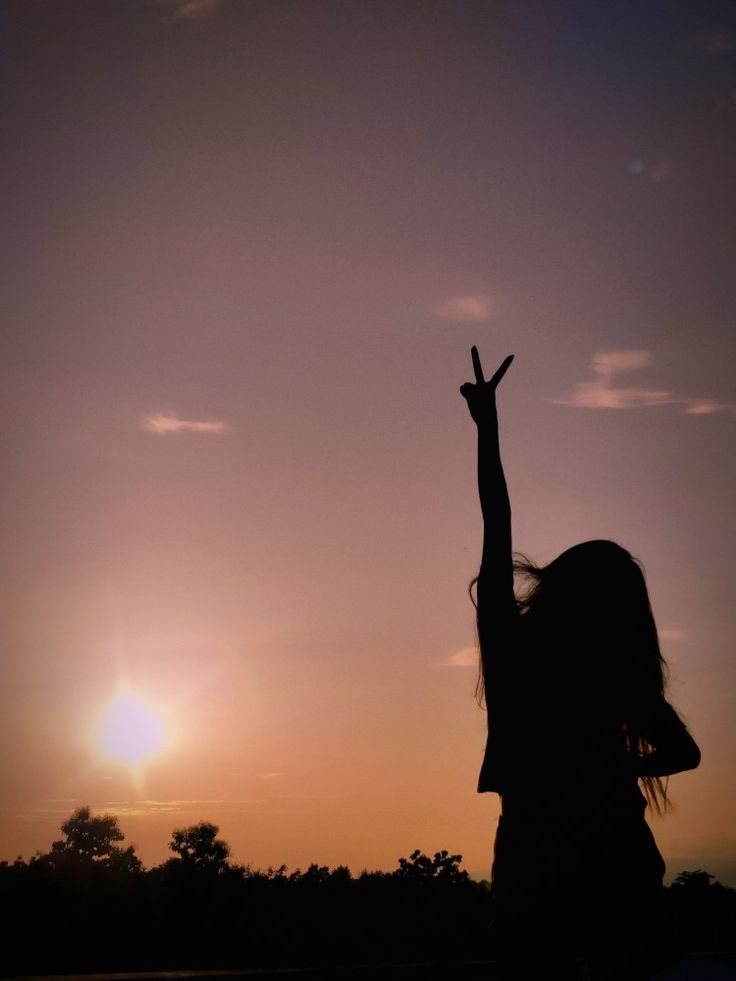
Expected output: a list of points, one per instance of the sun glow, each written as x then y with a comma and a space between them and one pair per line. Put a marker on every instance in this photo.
134, 729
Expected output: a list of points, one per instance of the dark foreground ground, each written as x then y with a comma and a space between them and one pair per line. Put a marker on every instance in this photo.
694, 967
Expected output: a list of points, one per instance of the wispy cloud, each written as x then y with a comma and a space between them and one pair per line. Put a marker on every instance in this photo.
612, 362
703, 407
656, 173
50, 806
189, 9
474, 308
140, 807
162, 424
467, 657
603, 391
670, 633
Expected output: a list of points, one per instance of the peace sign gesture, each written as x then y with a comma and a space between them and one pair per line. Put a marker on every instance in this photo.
481, 396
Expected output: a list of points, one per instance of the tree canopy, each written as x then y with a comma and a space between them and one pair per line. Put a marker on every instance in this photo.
199, 848
92, 840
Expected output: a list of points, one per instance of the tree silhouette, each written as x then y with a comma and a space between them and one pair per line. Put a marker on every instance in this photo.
91, 841
199, 848
694, 882
421, 868
315, 874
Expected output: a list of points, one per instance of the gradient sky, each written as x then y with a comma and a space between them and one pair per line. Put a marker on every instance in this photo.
247, 247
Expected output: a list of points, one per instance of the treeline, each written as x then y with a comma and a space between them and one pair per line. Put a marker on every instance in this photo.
89, 905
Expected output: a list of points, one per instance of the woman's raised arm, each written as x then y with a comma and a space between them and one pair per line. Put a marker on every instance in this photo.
496, 602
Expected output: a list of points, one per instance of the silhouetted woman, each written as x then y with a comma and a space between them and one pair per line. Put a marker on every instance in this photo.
577, 722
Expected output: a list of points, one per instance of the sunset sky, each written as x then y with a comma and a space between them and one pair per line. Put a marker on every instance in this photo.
247, 245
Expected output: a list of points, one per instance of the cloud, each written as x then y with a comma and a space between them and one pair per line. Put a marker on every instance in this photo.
612, 362
189, 9
141, 807
703, 407
656, 173
465, 658
670, 634
162, 424
599, 395
601, 392
473, 308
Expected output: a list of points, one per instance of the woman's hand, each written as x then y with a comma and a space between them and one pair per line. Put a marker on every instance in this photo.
481, 396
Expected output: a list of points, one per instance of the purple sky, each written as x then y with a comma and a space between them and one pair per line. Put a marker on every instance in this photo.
247, 247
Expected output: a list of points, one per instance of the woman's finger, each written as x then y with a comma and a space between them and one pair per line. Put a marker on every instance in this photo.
477, 365
501, 371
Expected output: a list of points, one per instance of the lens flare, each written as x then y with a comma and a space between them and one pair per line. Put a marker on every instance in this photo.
134, 730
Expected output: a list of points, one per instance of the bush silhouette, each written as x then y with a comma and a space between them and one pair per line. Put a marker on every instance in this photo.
101, 911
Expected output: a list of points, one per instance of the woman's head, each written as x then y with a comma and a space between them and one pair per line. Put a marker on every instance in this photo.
595, 582
590, 634
592, 599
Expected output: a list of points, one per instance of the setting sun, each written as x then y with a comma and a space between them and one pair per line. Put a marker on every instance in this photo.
133, 729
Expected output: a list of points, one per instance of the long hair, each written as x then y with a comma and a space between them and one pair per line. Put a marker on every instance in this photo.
588, 612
